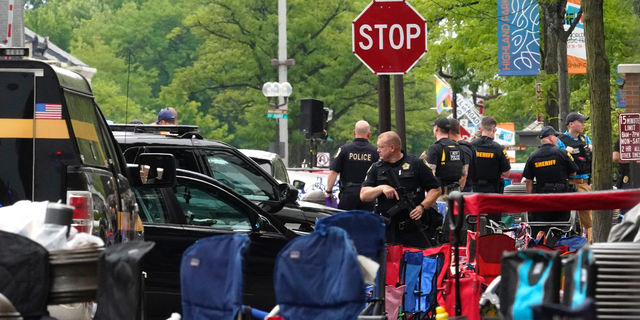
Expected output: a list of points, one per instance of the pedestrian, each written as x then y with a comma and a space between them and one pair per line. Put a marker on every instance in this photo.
491, 163
468, 151
551, 167
445, 158
175, 114
415, 177
165, 117
623, 175
579, 145
352, 162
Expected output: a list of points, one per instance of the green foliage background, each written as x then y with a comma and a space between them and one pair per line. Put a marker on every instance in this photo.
209, 59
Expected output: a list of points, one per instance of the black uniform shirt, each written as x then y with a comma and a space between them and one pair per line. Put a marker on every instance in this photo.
502, 161
412, 173
467, 156
547, 152
354, 159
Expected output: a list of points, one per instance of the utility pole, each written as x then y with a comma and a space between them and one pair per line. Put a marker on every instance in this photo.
283, 131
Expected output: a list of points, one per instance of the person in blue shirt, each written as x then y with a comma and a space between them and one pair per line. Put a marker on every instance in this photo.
580, 147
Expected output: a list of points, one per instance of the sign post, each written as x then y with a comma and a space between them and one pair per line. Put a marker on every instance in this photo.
629, 129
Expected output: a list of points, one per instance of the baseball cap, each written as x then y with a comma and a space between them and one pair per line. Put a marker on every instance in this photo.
548, 131
164, 115
573, 116
442, 123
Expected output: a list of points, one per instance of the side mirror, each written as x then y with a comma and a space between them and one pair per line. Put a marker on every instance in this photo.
288, 193
157, 170
299, 184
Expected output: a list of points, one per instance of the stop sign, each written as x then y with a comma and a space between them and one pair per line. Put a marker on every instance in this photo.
389, 36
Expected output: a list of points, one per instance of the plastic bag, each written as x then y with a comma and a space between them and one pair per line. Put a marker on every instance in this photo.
51, 236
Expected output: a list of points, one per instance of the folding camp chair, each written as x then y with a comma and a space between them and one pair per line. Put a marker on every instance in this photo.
317, 277
367, 231
211, 279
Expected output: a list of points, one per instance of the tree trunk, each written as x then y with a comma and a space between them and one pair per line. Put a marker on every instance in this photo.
599, 93
550, 60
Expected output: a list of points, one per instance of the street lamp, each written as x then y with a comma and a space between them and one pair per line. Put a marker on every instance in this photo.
274, 90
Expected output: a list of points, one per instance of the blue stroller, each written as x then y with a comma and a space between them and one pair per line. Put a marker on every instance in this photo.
367, 231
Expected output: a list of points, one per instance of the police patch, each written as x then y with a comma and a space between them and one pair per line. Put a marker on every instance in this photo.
337, 153
570, 156
625, 179
505, 153
406, 166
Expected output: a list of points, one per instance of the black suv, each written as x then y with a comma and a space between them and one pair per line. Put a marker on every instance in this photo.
224, 163
55, 145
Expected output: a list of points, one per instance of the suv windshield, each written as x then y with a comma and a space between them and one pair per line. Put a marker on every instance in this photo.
239, 175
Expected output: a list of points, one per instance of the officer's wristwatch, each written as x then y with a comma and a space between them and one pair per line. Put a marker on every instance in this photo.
328, 192
423, 208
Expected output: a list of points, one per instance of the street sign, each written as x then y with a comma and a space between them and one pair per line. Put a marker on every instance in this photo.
322, 159
466, 107
516, 147
277, 114
389, 37
629, 127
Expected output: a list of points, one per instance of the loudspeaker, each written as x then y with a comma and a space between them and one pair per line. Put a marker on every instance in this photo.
311, 116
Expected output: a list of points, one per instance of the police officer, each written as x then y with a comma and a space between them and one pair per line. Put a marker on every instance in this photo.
467, 150
445, 157
352, 162
579, 145
492, 162
416, 177
551, 168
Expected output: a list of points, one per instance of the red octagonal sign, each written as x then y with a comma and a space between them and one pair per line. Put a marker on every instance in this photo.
389, 36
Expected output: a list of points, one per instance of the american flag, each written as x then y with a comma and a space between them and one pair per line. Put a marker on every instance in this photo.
48, 111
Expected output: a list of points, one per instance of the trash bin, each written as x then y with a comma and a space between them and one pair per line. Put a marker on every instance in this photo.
74, 275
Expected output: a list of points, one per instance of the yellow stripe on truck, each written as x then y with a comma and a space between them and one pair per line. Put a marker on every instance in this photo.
84, 130
23, 128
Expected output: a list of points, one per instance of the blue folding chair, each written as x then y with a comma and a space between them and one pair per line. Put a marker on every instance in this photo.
211, 279
317, 277
367, 231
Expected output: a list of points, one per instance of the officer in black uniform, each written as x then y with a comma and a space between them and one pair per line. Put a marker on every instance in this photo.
467, 150
413, 175
445, 158
352, 162
492, 162
551, 168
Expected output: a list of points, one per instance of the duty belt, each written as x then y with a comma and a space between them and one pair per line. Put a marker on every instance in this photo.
485, 182
351, 184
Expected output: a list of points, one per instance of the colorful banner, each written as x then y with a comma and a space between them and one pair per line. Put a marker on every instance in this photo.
518, 38
576, 49
443, 95
621, 96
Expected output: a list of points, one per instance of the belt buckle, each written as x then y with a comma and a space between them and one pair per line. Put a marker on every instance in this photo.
401, 225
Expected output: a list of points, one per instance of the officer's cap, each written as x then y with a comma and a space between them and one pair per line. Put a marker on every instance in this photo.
548, 131
573, 116
164, 115
442, 123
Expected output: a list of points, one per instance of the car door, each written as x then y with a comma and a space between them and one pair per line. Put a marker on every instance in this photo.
162, 264
209, 209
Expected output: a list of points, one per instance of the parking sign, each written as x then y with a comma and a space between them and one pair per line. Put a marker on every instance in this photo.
629, 128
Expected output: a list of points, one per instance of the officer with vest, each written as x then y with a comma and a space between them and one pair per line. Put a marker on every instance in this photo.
579, 145
445, 158
352, 162
468, 151
492, 162
415, 177
551, 167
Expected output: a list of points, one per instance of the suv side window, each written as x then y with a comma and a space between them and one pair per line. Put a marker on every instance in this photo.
204, 206
185, 158
239, 175
84, 121
152, 206
280, 171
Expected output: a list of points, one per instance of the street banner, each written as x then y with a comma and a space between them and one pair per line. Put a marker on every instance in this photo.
576, 49
518, 38
443, 95
621, 95
506, 136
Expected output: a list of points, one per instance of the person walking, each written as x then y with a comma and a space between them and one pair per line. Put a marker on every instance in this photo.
551, 167
491, 163
623, 175
445, 158
165, 117
352, 162
413, 175
468, 151
580, 147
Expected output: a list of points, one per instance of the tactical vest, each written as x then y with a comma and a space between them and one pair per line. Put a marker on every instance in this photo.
407, 177
449, 166
551, 174
487, 165
581, 154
